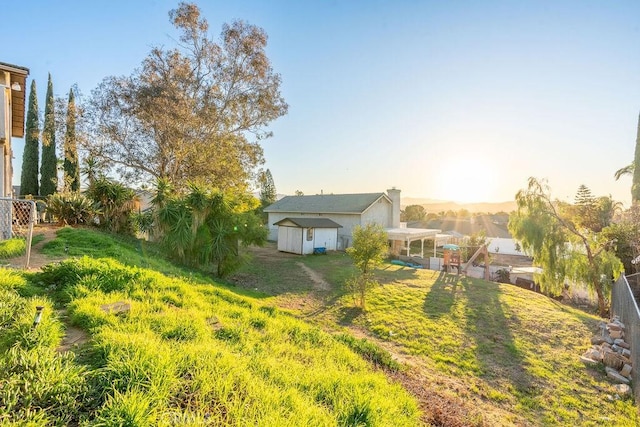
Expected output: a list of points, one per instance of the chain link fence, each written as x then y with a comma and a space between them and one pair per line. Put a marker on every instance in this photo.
17, 218
623, 304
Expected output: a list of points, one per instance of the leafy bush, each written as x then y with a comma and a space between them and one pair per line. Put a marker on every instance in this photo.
71, 208
206, 227
143, 221
116, 202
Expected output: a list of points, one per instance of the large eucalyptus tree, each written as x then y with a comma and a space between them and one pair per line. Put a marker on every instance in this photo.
194, 112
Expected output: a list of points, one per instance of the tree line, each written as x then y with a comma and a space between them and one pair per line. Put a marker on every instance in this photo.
39, 175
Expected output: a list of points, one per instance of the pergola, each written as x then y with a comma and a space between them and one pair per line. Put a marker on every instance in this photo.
408, 235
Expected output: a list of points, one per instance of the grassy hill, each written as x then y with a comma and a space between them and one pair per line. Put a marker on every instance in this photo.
172, 350
282, 346
480, 353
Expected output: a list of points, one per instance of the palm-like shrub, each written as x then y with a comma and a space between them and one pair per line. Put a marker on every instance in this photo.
71, 208
206, 227
116, 202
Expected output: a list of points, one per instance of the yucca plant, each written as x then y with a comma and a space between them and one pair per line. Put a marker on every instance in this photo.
71, 208
117, 203
207, 226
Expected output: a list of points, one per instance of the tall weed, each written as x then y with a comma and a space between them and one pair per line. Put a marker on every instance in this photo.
40, 385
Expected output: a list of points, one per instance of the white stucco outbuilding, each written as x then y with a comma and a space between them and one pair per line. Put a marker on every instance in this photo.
304, 235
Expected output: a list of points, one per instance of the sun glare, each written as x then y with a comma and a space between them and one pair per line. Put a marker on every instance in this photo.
466, 180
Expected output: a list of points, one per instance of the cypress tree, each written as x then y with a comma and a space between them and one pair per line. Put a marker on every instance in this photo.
71, 167
49, 167
268, 193
635, 186
31, 155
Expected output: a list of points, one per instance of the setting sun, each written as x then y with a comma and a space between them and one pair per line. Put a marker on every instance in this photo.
465, 180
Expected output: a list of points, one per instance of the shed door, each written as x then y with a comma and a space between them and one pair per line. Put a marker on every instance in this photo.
290, 239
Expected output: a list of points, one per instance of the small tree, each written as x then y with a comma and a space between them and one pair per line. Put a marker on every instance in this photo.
368, 251
268, 193
562, 245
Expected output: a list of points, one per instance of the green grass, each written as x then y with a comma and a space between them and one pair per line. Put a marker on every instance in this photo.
508, 355
186, 351
193, 352
11, 248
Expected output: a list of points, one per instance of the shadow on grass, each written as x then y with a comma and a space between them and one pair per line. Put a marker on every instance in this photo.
386, 274
487, 329
346, 315
442, 295
496, 351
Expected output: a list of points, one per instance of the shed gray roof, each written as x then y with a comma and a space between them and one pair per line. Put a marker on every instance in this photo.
311, 222
327, 203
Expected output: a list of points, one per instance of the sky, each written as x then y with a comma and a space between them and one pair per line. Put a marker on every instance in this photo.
445, 100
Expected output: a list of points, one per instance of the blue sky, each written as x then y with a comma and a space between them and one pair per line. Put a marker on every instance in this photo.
449, 100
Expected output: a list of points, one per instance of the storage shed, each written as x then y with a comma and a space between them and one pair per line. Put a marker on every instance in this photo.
303, 235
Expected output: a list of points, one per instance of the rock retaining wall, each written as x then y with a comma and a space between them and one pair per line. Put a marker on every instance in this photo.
610, 348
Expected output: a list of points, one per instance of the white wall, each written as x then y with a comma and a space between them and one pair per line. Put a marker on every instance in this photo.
379, 213
325, 238
503, 246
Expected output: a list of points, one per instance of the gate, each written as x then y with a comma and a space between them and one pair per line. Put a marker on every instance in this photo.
16, 222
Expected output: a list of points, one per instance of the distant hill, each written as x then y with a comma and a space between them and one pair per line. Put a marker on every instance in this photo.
436, 206
491, 225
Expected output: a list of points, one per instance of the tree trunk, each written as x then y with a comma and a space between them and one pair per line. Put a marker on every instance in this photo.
603, 310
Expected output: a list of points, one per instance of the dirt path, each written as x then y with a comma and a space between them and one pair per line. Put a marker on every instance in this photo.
73, 336
319, 284
37, 259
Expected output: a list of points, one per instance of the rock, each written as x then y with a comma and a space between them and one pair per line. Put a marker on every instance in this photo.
602, 325
617, 348
626, 353
621, 343
615, 334
116, 307
613, 360
597, 339
588, 361
626, 370
615, 376
606, 345
608, 339
614, 327
593, 354
623, 389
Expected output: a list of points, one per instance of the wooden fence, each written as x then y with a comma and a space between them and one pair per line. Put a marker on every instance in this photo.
623, 304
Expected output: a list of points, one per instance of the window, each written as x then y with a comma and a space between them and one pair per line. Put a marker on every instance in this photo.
309, 234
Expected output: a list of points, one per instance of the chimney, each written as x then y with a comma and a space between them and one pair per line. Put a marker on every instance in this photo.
394, 195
